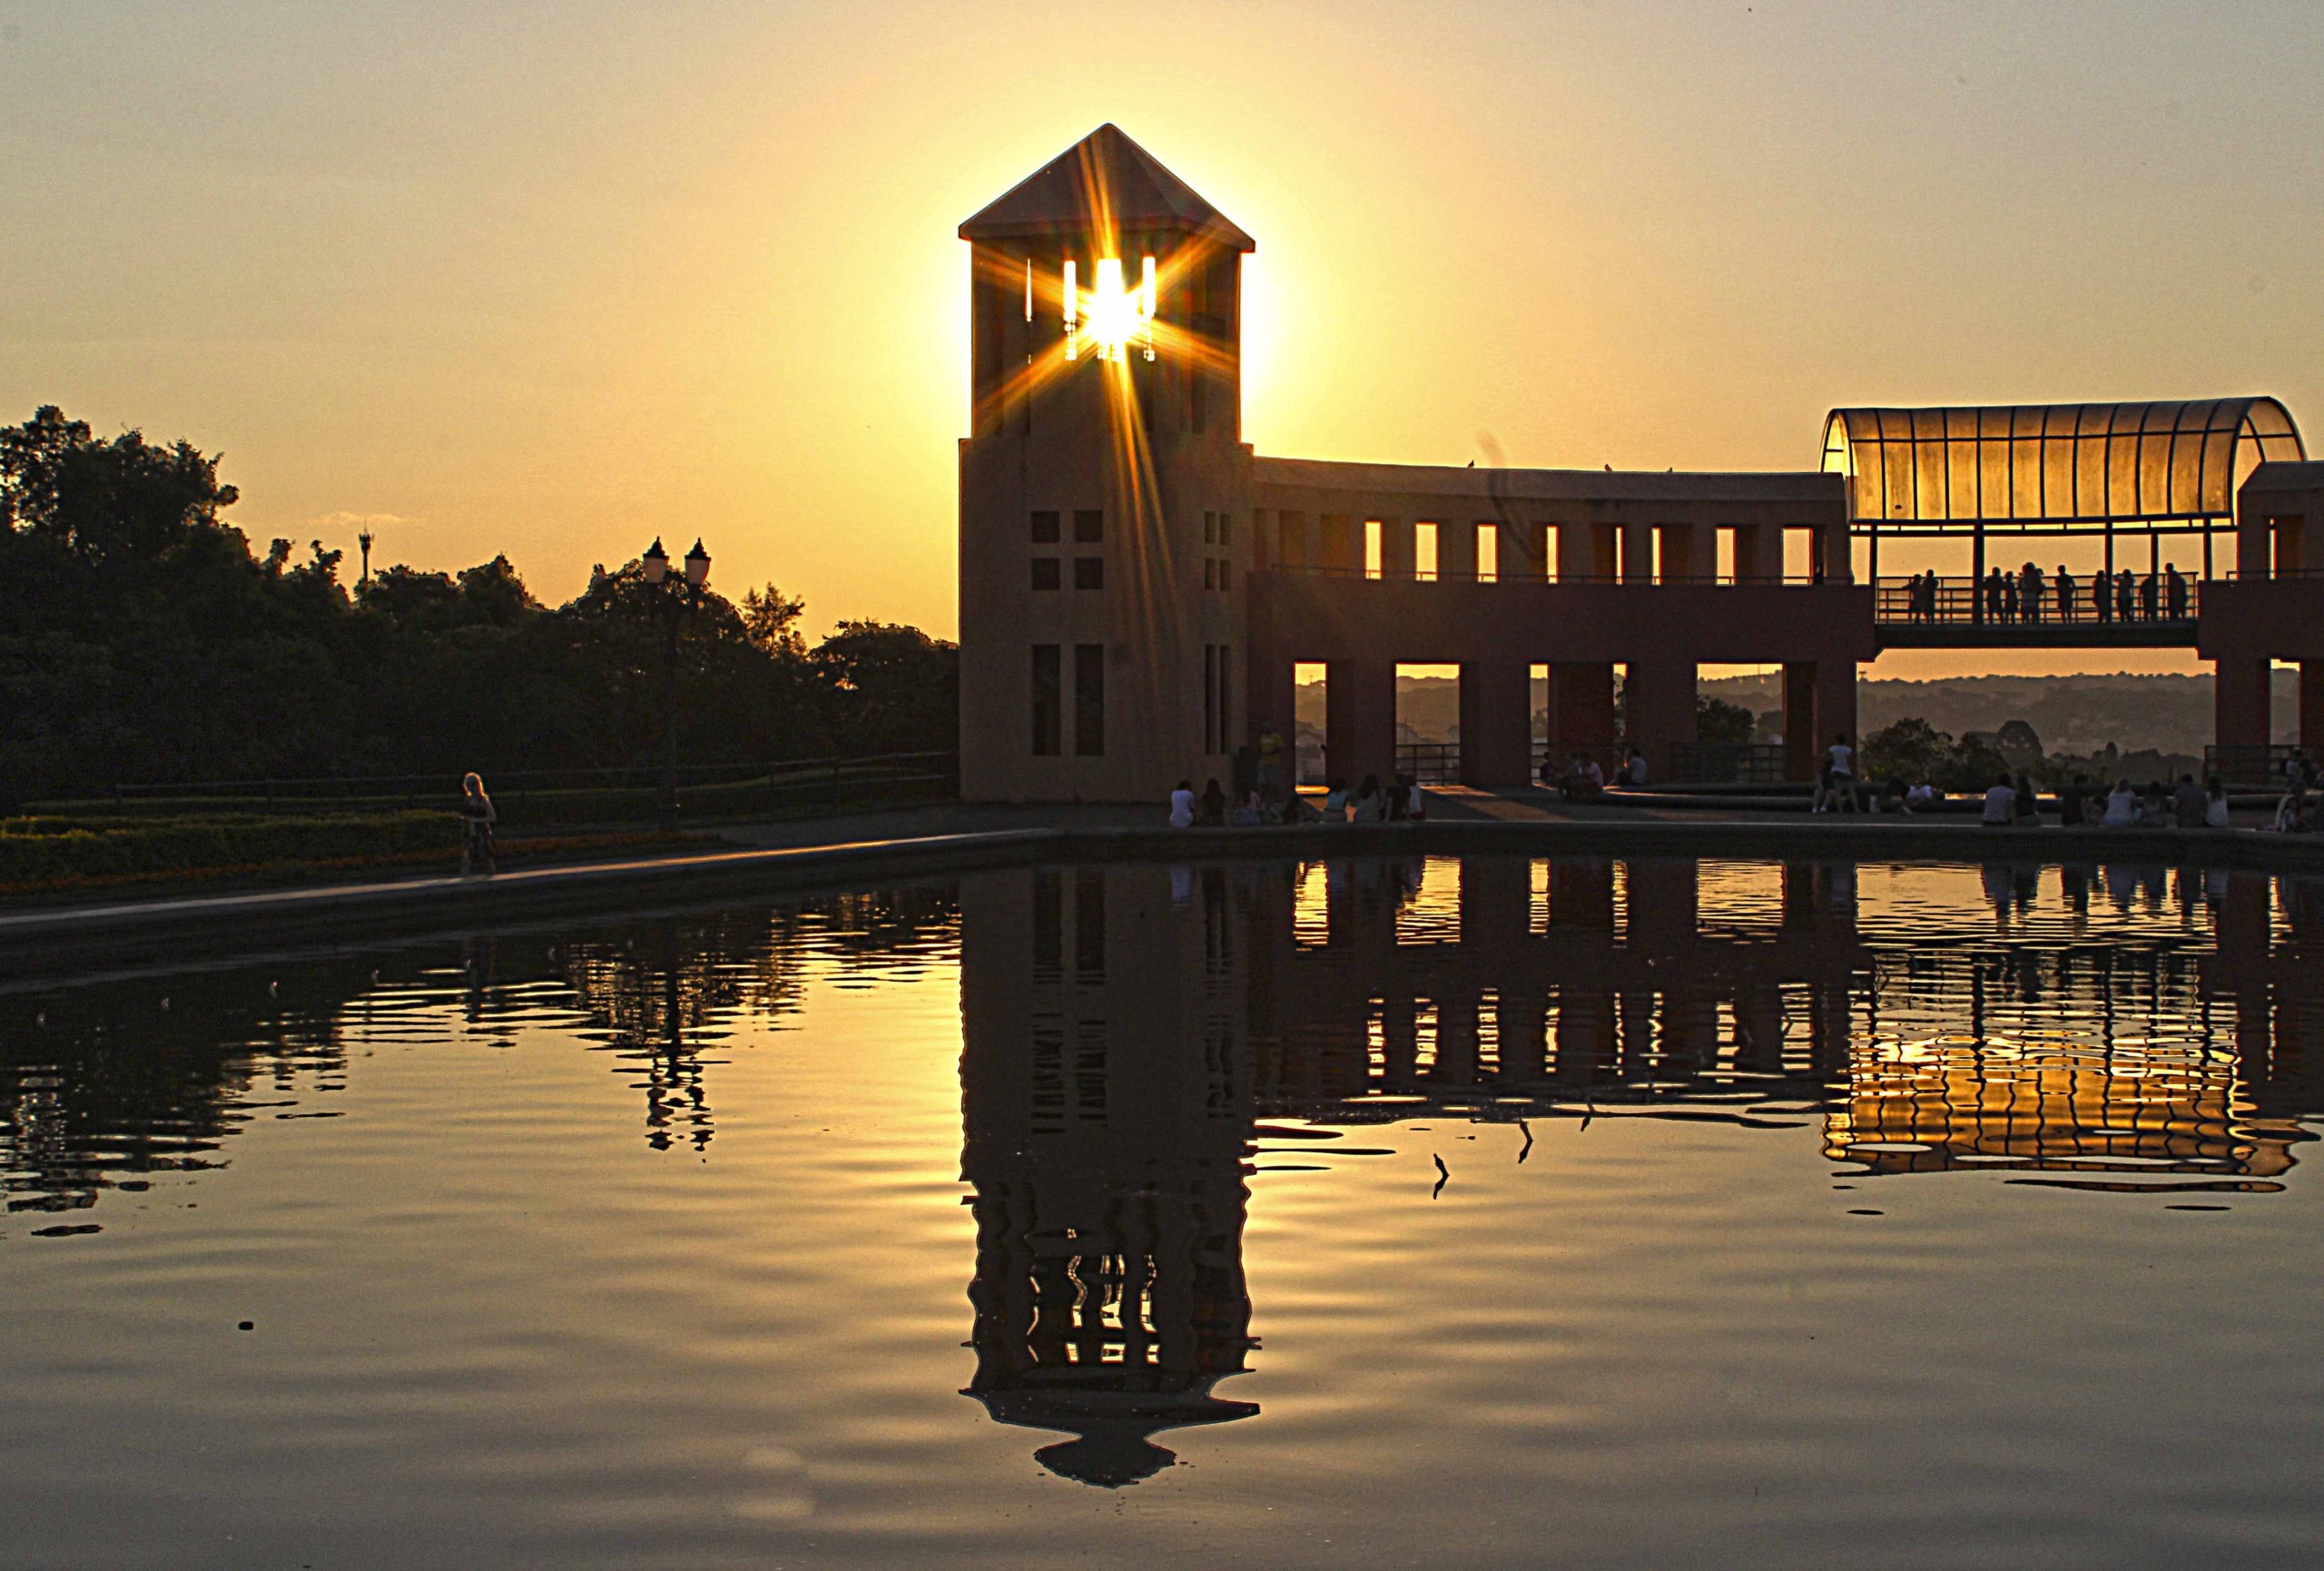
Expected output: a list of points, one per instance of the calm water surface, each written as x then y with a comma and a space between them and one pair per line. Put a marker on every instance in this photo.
1375, 1213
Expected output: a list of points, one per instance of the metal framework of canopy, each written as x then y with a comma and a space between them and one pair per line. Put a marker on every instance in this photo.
2067, 464
2149, 469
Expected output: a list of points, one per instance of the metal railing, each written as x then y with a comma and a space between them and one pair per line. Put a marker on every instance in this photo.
741, 786
1728, 763
1406, 574
2050, 601
1429, 763
2251, 763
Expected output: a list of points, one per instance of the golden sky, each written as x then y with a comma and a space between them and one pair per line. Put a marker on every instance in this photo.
555, 279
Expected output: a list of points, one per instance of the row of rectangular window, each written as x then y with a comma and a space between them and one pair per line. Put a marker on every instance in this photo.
1088, 573
1089, 527
1088, 700
1215, 527
1213, 572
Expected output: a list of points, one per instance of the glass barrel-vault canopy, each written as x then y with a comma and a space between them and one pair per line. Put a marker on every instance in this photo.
2058, 464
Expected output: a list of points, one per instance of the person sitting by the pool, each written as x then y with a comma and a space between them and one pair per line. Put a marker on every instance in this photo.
1182, 806
1371, 808
2121, 807
2215, 811
2026, 806
1584, 781
1634, 768
2001, 803
1335, 801
2071, 801
1921, 799
2291, 810
1211, 811
2154, 806
1250, 815
2187, 804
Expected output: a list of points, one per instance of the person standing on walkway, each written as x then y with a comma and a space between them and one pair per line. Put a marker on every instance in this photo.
478, 815
2029, 591
1841, 761
2101, 595
2150, 590
2175, 591
2065, 594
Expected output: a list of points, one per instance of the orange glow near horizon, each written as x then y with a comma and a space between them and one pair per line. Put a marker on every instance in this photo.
502, 285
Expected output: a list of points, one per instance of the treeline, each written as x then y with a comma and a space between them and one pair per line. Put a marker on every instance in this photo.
142, 639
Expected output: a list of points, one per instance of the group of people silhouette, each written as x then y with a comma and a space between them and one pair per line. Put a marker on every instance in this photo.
2031, 595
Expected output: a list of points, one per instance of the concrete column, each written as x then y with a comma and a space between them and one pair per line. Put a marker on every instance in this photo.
1456, 549
1578, 552
1758, 552
1835, 704
1637, 553
1496, 723
2311, 704
1359, 730
1658, 704
1342, 546
1686, 553
1524, 551
1799, 745
1832, 550
1272, 705
1583, 704
2240, 703
1396, 548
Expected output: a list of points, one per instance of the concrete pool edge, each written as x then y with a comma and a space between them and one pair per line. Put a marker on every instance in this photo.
59, 941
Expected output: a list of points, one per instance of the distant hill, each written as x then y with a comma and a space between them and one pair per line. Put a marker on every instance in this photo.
2169, 715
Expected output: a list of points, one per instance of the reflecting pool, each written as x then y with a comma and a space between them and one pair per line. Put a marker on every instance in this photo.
1378, 1212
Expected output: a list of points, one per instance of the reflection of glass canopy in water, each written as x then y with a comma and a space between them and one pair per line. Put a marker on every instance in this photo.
2057, 464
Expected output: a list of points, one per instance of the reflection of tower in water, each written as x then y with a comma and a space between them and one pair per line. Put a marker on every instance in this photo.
1106, 1098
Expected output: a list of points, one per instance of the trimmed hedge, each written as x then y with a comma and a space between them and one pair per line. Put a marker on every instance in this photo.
43, 850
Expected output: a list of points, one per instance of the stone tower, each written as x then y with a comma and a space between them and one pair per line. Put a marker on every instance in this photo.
1104, 486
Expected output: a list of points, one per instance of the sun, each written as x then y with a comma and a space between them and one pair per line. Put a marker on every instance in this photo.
1110, 318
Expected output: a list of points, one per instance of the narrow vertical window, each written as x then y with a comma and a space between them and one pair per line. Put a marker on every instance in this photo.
1371, 545
1225, 528
1049, 699
1488, 553
1210, 699
1089, 700
1226, 696
1424, 552
1210, 528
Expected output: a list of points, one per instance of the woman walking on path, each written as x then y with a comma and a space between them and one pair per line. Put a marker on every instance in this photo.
478, 815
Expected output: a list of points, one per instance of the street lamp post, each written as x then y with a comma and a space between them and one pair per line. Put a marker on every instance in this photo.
674, 598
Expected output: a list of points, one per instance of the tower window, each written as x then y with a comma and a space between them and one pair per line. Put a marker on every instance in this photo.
1222, 573
1089, 527
1089, 700
1049, 699
1089, 572
1045, 573
1209, 573
1045, 528
1210, 528
1225, 529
